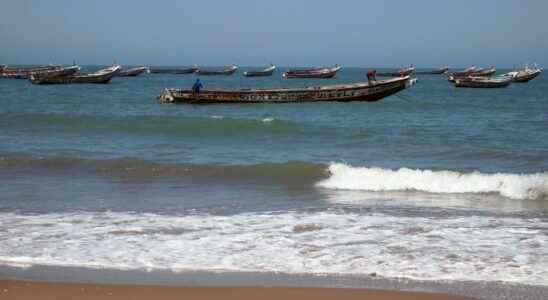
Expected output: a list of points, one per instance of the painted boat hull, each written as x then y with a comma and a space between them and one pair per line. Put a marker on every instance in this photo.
341, 93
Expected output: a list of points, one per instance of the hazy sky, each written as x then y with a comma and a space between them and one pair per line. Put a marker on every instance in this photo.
504, 33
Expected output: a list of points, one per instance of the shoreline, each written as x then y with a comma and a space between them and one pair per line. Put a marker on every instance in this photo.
30, 290
55, 276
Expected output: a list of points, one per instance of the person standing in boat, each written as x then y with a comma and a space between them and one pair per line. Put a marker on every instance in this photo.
197, 86
372, 77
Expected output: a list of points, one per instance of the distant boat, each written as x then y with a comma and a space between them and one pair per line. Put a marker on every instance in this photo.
484, 72
101, 76
265, 72
312, 73
132, 72
432, 72
525, 74
24, 72
175, 71
227, 71
56, 72
362, 91
472, 72
483, 82
465, 72
401, 72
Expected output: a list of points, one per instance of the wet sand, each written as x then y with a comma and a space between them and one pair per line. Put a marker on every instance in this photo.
28, 290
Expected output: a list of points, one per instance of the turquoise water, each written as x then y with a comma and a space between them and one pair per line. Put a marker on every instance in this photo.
434, 182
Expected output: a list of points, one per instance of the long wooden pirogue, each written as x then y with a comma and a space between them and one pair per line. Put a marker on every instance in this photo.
483, 82
525, 75
24, 73
101, 76
133, 72
362, 91
312, 73
471, 72
260, 73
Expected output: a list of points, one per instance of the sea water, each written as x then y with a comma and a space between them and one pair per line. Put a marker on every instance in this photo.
433, 183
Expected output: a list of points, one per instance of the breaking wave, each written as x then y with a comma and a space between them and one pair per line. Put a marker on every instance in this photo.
333, 176
514, 186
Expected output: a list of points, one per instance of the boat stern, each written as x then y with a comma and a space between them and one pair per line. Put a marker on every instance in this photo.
166, 96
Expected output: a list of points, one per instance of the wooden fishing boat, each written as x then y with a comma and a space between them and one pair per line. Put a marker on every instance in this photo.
483, 82
362, 91
227, 71
525, 75
465, 72
58, 72
23, 73
174, 71
401, 72
132, 72
101, 76
483, 72
312, 73
265, 72
432, 72
7, 69
472, 72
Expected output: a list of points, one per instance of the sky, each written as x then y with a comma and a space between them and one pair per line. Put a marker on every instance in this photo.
360, 33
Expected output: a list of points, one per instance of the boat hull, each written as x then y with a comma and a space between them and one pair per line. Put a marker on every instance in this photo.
173, 71
482, 84
432, 72
474, 73
132, 72
24, 73
340, 93
225, 72
526, 77
100, 77
325, 73
262, 73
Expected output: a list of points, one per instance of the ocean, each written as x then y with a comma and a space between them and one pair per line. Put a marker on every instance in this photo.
433, 183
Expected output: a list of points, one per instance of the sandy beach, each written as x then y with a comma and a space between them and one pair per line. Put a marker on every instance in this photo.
27, 290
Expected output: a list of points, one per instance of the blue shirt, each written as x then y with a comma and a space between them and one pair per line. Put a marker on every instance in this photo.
197, 86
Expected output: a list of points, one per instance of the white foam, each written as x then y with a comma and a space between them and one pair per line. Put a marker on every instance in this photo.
515, 186
267, 120
453, 248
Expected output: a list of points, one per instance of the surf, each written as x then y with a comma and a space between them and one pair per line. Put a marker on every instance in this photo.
514, 186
